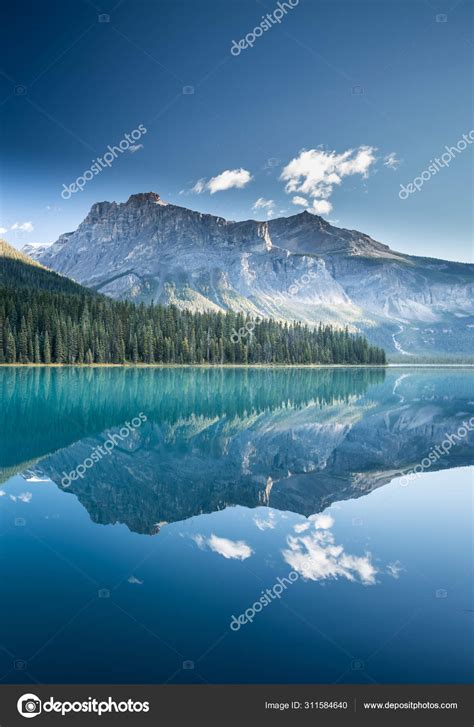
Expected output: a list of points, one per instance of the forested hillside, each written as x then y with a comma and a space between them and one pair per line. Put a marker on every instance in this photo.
46, 318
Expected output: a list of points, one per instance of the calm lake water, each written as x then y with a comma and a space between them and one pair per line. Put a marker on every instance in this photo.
230, 480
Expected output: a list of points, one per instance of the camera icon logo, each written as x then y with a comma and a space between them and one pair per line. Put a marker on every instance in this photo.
29, 705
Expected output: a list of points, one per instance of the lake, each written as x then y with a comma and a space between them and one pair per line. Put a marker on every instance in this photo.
194, 525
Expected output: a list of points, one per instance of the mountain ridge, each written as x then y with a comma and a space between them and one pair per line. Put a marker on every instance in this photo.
297, 268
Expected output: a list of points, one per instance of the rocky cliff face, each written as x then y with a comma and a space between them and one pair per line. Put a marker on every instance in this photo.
295, 268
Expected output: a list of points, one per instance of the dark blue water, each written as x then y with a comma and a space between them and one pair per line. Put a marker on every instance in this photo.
134, 571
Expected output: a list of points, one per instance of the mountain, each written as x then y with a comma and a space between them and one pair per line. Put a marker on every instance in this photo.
18, 270
292, 268
35, 248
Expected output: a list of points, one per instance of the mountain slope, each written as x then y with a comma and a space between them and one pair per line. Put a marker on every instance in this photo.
18, 270
295, 268
46, 318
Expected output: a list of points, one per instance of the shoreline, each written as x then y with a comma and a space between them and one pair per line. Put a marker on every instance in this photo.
234, 366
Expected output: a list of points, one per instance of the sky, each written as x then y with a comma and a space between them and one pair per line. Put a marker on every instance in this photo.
244, 109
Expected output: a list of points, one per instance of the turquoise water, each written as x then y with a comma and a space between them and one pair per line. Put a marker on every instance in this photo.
143, 511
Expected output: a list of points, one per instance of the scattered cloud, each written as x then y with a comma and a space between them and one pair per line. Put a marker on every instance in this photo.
301, 527
394, 569
318, 558
268, 524
230, 549
301, 201
25, 496
22, 226
237, 549
264, 204
322, 206
227, 180
316, 172
391, 161
2, 493
200, 541
230, 178
322, 522
135, 581
134, 148
200, 186
3, 230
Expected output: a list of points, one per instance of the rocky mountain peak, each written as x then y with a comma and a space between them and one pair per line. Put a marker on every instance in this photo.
144, 197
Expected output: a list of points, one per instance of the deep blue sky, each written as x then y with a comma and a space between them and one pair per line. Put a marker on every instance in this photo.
70, 86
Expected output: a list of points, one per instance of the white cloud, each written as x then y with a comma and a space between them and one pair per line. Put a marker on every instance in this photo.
3, 230
316, 556
301, 201
134, 580
394, 569
22, 226
265, 524
391, 161
237, 549
134, 148
322, 522
199, 187
200, 541
315, 173
301, 527
230, 178
25, 496
322, 206
265, 204
2, 493
262, 204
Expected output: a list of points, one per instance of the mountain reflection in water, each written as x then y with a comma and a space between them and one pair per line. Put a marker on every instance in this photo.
291, 439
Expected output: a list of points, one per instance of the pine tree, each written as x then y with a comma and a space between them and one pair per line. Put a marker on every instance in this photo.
37, 351
135, 357
64, 328
23, 342
11, 348
46, 349
2, 350
58, 345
